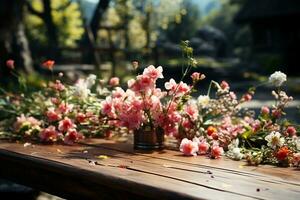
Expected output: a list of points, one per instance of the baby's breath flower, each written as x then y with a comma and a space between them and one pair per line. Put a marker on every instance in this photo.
277, 78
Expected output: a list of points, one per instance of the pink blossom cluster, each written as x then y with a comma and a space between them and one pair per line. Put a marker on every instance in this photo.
200, 146
142, 103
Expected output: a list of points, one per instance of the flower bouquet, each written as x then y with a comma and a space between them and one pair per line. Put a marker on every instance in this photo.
57, 112
148, 111
224, 127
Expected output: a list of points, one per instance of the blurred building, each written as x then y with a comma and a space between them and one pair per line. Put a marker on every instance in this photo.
275, 30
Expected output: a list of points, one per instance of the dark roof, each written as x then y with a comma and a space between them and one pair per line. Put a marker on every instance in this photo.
261, 9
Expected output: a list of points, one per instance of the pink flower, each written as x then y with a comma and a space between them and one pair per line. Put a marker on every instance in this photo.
183, 88
180, 89
186, 123
10, 64
265, 110
224, 85
66, 124
196, 76
145, 82
153, 73
296, 160
118, 92
232, 95
58, 86
52, 115
188, 147
80, 117
72, 136
203, 146
174, 117
55, 101
216, 151
22, 120
132, 84
114, 81
171, 85
276, 113
49, 134
192, 111
107, 107
291, 131
65, 108
247, 97
171, 130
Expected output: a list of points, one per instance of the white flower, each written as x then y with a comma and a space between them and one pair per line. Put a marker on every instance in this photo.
81, 89
203, 100
277, 78
234, 144
91, 80
235, 154
274, 140
296, 141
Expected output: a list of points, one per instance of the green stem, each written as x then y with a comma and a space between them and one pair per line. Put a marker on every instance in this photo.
209, 87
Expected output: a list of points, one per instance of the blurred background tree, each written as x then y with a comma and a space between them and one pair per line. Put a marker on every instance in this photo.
54, 24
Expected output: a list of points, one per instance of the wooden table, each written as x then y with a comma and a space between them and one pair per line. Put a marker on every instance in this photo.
84, 172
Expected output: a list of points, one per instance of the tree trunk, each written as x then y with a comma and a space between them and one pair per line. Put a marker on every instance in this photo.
95, 22
13, 41
90, 36
51, 30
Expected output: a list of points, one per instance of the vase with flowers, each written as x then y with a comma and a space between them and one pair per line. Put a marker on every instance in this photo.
148, 111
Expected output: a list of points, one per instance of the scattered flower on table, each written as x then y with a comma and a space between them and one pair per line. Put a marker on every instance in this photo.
188, 147
274, 140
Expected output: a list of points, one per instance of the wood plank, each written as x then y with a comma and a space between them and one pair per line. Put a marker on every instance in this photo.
184, 173
284, 174
44, 165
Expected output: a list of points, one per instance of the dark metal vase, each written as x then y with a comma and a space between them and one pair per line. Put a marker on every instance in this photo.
148, 139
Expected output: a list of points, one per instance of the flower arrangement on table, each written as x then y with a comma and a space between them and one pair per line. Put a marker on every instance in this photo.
211, 125
223, 127
58, 112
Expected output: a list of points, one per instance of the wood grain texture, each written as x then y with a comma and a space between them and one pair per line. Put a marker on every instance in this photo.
76, 172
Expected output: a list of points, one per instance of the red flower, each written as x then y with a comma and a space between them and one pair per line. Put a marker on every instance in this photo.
216, 152
49, 64
10, 64
80, 117
282, 153
210, 130
291, 131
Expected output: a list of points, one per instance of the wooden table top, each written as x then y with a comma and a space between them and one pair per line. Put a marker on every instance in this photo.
103, 169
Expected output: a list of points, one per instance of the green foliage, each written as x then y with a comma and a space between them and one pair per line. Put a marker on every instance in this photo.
66, 18
142, 18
